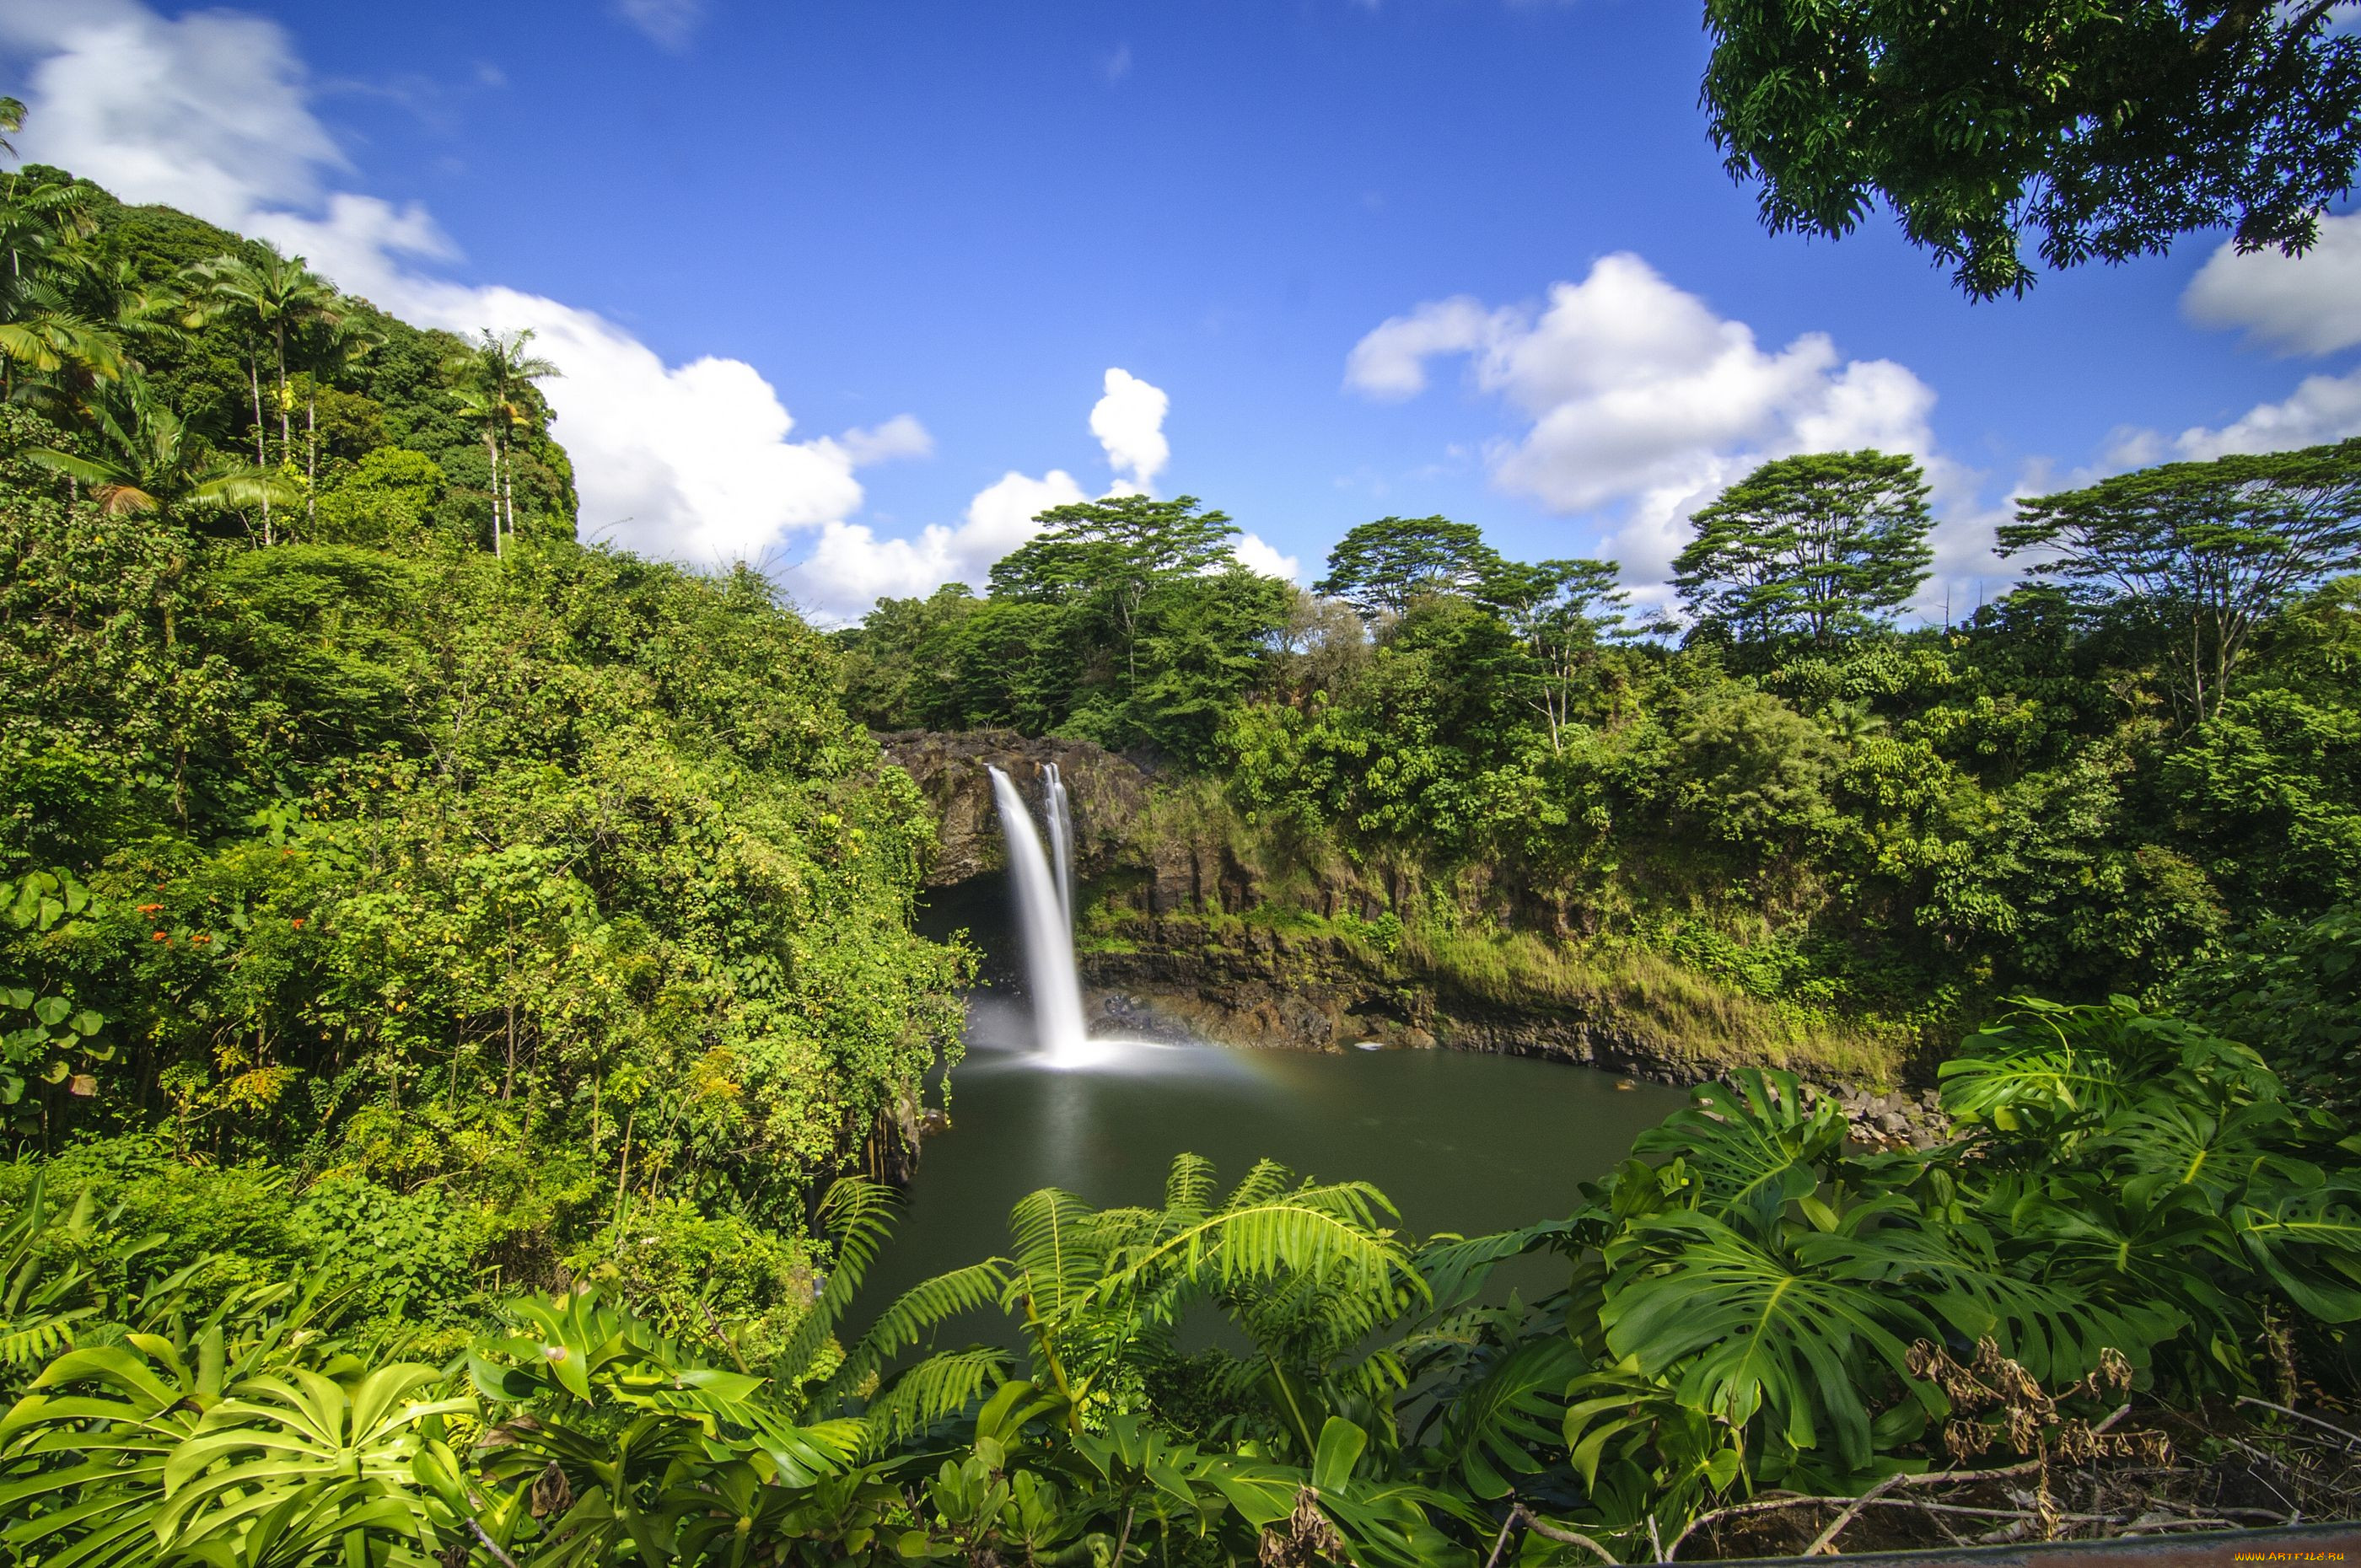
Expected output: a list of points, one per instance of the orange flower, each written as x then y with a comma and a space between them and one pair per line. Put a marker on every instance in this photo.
161, 938
297, 923
201, 937
150, 909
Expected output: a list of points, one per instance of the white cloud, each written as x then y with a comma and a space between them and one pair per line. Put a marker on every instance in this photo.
700, 461
901, 436
207, 113
1643, 403
850, 567
2305, 304
1129, 422
1258, 555
669, 24
2323, 409
1391, 362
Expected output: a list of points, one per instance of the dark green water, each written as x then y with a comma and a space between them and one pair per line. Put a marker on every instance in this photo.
1459, 1141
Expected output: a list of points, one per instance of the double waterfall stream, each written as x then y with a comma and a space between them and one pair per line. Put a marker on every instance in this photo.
1459, 1141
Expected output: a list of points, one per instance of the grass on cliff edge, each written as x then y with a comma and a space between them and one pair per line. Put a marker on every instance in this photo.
1666, 1009
1662, 1007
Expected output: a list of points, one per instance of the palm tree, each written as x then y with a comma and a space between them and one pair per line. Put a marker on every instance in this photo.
40, 331
338, 340
495, 380
276, 299
149, 464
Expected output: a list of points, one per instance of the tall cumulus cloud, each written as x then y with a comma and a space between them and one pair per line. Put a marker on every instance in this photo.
1637, 404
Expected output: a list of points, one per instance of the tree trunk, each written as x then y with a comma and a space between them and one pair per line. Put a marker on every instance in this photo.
286, 434
311, 457
492, 450
261, 459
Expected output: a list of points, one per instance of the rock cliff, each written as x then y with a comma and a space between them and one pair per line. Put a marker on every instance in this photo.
1109, 792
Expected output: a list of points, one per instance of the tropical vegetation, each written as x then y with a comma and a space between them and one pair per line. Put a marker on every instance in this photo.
461, 1021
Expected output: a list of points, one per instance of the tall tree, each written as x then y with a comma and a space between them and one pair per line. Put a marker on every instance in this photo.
2109, 128
334, 343
1817, 545
1379, 567
43, 334
1112, 553
493, 381
275, 300
1560, 610
2215, 547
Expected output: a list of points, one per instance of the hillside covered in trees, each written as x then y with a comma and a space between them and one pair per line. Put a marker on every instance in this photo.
355, 819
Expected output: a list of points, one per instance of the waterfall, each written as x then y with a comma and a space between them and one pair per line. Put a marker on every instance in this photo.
1044, 918
1061, 812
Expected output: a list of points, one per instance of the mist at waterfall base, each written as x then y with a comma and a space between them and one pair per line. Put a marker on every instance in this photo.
1459, 1141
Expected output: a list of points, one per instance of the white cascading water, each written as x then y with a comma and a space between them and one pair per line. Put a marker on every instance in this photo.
1060, 809
1043, 923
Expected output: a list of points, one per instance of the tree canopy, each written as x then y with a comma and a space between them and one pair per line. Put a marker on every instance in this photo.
1379, 567
2213, 547
1816, 546
2099, 129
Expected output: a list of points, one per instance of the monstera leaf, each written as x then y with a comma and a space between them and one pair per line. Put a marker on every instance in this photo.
2306, 1239
1740, 1327
2164, 1140
2057, 1073
1750, 1143
1495, 1423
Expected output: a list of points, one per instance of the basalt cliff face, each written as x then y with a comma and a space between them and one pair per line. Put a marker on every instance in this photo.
1180, 934
1109, 793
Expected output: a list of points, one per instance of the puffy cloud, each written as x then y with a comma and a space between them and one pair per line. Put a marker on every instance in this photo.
1391, 362
208, 111
2305, 304
1258, 555
211, 113
850, 567
1129, 422
2323, 409
1640, 401
901, 436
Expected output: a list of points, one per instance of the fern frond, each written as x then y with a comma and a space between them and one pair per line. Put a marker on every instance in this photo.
40, 1341
940, 1387
918, 1311
1056, 1258
860, 1214
1189, 1184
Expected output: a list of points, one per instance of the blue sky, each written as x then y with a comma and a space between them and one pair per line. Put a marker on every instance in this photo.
944, 226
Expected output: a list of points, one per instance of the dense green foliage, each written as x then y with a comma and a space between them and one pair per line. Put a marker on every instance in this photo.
2137, 1211
361, 831
1124, 622
1802, 800
2107, 129
1813, 546
457, 991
